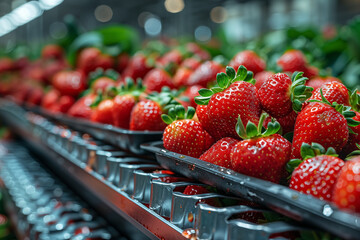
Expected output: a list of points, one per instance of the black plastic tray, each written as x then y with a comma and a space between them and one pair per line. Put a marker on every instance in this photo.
122, 138
298, 206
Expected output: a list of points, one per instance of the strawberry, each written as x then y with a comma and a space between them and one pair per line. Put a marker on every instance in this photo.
292, 60
317, 82
69, 82
287, 122
101, 81
89, 59
50, 98
174, 56
64, 103
81, 107
183, 135
203, 117
103, 112
198, 51
191, 63
204, 74
316, 174
346, 193
137, 67
333, 92
125, 101
146, 115
323, 123
122, 61
250, 60
219, 153
6, 64
35, 95
311, 71
198, 189
280, 95
233, 96
156, 79
262, 154
191, 93
52, 51
261, 77
181, 76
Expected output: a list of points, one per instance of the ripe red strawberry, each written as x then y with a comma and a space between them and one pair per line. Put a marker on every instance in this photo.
191, 63
203, 117
317, 82
261, 77
50, 98
248, 59
69, 82
280, 95
263, 154
333, 92
146, 115
322, 123
311, 71
89, 59
122, 61
184, 135
196, 190
287, 122
52, 51
174, 56
101, 81
219, 153
347, 189
124, 102
82, 107
64, 103
198, 51
6, 64
317, 173
292, 60
232, 97
191, 93
103, 112
156, 79
181, 76
35, 96
205, 74
137, 67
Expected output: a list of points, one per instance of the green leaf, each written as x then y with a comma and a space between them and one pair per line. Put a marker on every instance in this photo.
349, 114
272, 128
190, 113
249, 76
241, 72
204, 92
299, 89
297, 105
331, 152
352, 123
216, 89
251, 130
180, 111
222, 80
323, 98
230, 72
306, 151
318, 148
240, 129
292, 164
167, 119
202, 100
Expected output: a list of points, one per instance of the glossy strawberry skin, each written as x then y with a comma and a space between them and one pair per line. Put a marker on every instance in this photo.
123, 105
81, 107
261, 77
219, 153
317, 82
191, 63
333, 92
311, 71
317, 176
69, 82
50, 98
292, 60
198, 51
90, 59
274, 95
156, 79
191, 93
203, 116
137, 67
102, 84
122, 62
205, 74
146, 115
52, 51
35, 96
346, 193
263, 157
320, 123
181, 76
173, 56
186, 137
250, 60
240, 98
103, 112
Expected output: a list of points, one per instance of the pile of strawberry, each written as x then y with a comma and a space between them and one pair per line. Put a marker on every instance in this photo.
275, 127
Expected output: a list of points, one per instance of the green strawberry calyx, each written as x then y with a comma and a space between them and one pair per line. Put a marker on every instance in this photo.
346, 111
299, 92
99, 72
309, 151
355, 100
99, 97
354, 153
132, 88
253, 131
224, 80
178, 113
165, 98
